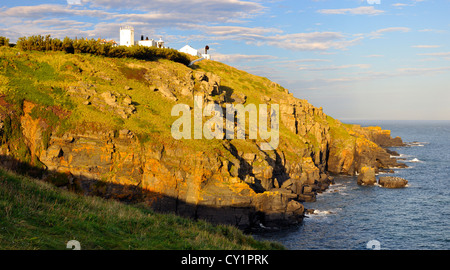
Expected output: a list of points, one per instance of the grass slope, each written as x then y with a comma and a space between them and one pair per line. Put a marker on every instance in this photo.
37, 215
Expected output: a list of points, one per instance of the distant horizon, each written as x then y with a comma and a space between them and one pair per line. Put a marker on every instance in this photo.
352, 57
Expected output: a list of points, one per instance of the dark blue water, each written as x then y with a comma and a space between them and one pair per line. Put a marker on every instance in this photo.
413, 218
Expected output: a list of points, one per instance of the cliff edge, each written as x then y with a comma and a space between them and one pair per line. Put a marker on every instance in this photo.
102, 126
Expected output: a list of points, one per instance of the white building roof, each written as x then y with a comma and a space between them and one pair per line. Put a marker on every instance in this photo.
189, 50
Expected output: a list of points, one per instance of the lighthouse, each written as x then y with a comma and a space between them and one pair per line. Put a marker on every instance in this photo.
160, 43
126, 36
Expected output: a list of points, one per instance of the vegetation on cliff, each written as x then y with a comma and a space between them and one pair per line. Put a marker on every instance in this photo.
102, 126
4, 41
95, 47
37, 215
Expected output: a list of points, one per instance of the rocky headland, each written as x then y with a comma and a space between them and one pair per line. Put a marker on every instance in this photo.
107, 133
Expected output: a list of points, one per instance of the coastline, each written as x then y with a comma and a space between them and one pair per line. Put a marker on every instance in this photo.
221, 181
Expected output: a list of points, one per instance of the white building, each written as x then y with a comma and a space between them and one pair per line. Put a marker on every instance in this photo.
147, 42
206, 56
126, 36
202, 53
151, 42
191, 51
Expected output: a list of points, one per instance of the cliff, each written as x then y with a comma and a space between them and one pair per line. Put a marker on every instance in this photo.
101, 126
39, 216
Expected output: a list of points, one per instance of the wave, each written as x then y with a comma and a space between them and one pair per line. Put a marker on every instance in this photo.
414, 160
401, 157
322, 213
417, 143
336, 188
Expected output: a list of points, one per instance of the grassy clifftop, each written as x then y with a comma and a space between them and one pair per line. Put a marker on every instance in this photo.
37, 215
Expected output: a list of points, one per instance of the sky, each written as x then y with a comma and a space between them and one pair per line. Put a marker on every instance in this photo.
358, 59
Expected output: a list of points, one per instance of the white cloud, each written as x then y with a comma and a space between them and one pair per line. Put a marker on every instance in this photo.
147, 16
436, 54
261, 36
218, 10
74, 2
51, 10
315, 41
374, 56
378, 33
425, 46
422, 71
365, 10
231, 58
303, 60
377, 75
327, 68
400, 5
237, 32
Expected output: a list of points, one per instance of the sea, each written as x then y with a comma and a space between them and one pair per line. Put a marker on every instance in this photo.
352, 217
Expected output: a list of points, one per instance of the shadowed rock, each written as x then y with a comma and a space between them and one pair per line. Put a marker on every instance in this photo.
367, 176
392, 182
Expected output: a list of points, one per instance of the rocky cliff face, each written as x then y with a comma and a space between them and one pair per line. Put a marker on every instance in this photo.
233, 182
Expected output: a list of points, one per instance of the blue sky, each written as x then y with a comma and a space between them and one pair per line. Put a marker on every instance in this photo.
356, 60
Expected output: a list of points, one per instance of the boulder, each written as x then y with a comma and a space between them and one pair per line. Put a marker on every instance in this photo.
109, 98
166, 92
367, 176
392, 182
295, 207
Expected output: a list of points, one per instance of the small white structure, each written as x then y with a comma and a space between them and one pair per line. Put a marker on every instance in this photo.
191, 51
160, 43
147, 42
206, 56
126, 36
202, 53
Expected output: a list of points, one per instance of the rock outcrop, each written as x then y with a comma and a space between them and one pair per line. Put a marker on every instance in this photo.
392, 182
117, 103
367, 176
354, 147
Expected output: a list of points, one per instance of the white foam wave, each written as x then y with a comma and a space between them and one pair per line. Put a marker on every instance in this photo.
323, 213
336, 188
414, 160
418, 143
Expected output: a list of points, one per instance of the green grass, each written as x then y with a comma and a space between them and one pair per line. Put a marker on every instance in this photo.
37, 215
44, 77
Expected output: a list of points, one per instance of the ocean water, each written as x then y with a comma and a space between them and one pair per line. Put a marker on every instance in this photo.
417, 217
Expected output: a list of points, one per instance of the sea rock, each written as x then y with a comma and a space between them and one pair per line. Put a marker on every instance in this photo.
295, 207
367, 176
392, 182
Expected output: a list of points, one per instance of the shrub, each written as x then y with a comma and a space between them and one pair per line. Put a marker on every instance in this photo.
4, 41
95, 47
